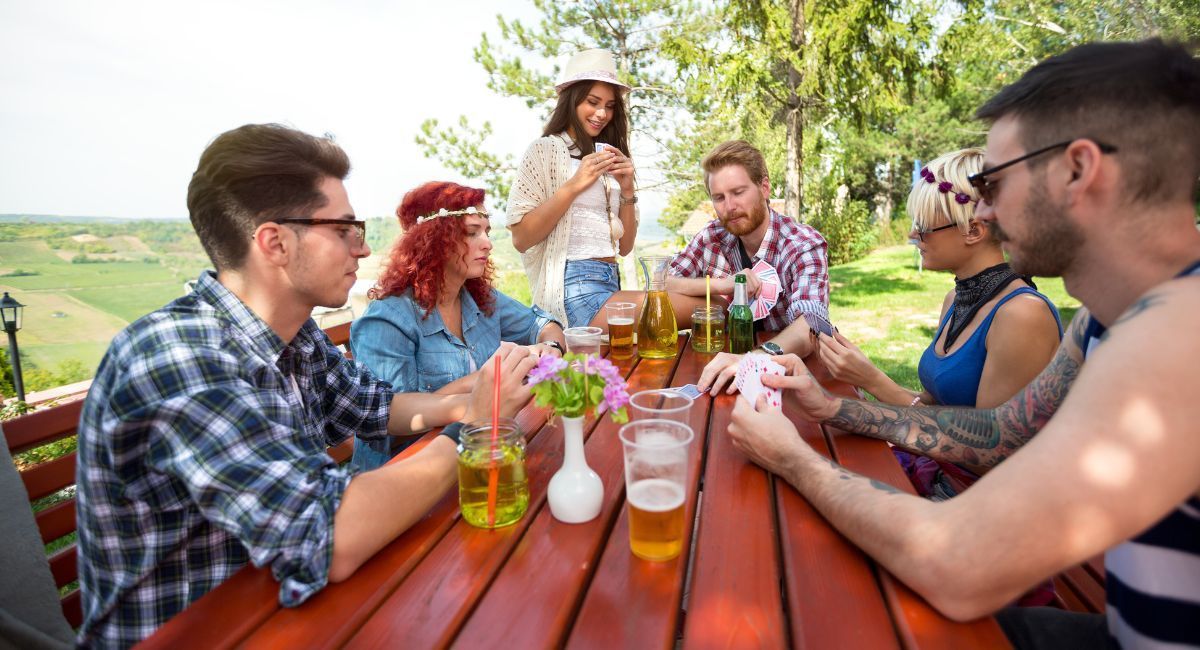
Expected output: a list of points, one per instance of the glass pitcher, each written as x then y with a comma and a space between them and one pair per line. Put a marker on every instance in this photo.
658, 334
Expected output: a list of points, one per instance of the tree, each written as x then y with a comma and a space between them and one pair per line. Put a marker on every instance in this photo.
804, 62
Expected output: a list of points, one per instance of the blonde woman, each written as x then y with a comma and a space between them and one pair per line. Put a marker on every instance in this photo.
995, 332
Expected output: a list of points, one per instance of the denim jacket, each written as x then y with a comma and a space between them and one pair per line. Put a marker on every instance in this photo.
416, 354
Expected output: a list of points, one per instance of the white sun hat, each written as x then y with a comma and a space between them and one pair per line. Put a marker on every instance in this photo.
591, 65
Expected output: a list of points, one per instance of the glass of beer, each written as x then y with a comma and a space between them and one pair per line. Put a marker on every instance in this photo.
479, 459
708, 329
656, 471
620, 330
660, 404
583, 340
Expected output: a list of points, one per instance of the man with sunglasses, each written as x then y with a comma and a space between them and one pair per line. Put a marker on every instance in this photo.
1091, 173
202, 445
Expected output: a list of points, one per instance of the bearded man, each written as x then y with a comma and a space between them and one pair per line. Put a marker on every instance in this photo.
745, 232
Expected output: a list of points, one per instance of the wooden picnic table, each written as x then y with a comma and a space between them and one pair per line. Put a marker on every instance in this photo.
765, 569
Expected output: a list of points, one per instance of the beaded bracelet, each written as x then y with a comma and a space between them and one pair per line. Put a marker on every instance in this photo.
916, 400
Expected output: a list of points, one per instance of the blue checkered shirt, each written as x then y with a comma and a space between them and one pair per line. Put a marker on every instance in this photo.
202, 447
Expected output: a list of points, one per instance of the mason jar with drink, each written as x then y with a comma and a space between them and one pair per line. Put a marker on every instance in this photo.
485, 461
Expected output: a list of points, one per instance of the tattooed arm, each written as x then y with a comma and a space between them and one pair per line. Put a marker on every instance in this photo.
977, 439
1120, 453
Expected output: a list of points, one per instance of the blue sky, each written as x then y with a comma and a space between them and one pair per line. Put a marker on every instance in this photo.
107, 105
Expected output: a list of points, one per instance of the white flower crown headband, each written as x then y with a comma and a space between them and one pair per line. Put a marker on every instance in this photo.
452, 213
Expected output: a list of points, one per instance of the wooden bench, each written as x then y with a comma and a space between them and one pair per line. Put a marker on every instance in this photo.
52, 477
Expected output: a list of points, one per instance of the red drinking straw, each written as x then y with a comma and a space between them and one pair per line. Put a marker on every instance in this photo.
494, 470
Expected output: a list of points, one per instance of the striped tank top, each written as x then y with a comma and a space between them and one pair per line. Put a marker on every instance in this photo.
1153, 580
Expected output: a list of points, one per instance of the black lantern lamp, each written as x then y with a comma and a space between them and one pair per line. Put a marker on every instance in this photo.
10, 313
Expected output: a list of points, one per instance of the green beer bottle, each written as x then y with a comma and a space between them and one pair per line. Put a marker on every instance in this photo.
740, 327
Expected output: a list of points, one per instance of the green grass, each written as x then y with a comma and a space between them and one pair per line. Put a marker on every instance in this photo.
889, 309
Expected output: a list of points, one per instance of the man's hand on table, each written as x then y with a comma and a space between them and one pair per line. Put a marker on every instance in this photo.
719, 372
515, 363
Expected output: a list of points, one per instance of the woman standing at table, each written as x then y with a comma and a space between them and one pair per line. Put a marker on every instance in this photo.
995, 332
434, 317
573, 206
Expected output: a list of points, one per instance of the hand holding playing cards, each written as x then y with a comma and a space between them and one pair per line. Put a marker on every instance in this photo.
801, 390
765, 435
845, 361
753, 283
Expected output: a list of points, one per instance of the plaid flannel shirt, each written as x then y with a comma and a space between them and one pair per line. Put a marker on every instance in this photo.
796, 250
201, 447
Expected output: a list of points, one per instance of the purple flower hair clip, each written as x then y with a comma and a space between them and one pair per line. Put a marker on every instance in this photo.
927, 175
945, 186
962, 199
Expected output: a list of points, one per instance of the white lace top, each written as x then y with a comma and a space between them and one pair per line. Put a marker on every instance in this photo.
590, 234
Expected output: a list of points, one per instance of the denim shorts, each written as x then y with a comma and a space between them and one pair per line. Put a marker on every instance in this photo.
589, 283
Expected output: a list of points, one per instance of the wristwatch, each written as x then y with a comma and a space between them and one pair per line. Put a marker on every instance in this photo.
629, 201
556, 345
771, 349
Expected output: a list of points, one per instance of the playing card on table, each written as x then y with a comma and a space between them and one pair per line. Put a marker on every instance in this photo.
691, 391
749, 379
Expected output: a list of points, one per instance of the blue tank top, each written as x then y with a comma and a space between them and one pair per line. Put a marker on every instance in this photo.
1152, 586
953, 380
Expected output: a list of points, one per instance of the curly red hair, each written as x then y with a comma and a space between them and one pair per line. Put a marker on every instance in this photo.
418, 258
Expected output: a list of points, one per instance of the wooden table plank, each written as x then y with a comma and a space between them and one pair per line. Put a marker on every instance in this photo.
554, 561
826, 573
430, 606
919, 625
623, 583
735, 599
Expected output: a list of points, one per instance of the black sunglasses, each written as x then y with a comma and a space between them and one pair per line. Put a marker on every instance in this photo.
921, 233
359, 226
986, 188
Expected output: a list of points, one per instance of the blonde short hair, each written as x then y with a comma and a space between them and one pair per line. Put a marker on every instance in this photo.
929, 207
735, 152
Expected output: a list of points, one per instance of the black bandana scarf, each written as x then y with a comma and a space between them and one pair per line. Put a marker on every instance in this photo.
972, 293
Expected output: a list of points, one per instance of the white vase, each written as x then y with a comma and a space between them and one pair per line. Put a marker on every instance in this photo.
576, 493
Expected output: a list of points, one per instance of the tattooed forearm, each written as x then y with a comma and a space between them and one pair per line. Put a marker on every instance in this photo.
1029, 410
846, 475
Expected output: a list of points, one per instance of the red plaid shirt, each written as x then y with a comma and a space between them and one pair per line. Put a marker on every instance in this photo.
796, 250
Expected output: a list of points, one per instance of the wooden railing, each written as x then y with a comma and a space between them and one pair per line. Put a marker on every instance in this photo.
52, 477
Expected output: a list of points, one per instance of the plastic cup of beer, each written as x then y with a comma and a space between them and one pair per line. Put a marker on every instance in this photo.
620, 329
583, 340
660, 404
656, 470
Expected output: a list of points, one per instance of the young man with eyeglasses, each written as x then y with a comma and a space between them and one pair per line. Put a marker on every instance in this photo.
1091, 173
202, 445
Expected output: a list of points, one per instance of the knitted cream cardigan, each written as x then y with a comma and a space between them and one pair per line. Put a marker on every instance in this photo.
545, 167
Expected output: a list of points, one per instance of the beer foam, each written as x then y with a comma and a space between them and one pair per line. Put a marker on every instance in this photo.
655, 495
620, 321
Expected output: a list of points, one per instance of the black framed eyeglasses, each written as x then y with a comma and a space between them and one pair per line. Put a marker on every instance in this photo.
921, 233
359, 226
986, 188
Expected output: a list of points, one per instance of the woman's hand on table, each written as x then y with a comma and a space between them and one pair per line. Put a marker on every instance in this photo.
515, 363
845, 361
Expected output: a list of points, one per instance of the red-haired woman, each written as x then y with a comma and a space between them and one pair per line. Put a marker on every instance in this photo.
434, 317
